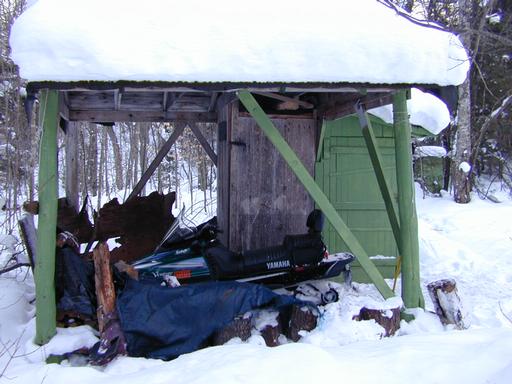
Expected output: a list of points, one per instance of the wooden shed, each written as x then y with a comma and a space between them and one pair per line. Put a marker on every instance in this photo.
275, 91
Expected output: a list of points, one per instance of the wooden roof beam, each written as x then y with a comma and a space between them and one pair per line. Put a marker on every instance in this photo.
140, 116
344, 107
287, 99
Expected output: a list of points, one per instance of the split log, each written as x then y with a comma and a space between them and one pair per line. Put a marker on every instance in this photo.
239, 327
301, 319
105, 293
389, 319
29, 236
447, 303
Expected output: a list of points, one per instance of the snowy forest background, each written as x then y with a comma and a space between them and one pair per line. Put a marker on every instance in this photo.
480, 132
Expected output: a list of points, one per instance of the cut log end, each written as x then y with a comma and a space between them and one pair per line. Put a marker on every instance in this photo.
389, 319
301, 319
447, 303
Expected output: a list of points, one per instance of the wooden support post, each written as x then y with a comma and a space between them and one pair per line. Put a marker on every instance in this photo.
47, 220
71, 145
178, 129
378, 167
314, 190
105, 292
204, 143
409, 245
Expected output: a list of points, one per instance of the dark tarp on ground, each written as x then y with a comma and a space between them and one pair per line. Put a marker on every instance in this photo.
163, 323
74, 283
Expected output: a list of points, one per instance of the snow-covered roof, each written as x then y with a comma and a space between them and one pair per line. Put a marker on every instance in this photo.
330, 41
425, 110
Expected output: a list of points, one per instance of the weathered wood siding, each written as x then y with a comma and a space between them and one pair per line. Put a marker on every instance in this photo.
266, 201
225, 120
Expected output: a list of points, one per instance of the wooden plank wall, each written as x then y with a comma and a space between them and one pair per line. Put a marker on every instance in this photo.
266, 200
225, 121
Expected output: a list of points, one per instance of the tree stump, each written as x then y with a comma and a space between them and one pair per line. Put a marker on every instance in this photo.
268, 324
105, 293
447, 303
270, 334
389, 319
239, 327
301, 319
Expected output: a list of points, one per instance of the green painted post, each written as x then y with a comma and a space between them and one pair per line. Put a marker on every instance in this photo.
314, 190
409, 246
47, 220
378, 167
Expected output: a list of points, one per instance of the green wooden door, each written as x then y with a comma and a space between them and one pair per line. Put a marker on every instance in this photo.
345, 173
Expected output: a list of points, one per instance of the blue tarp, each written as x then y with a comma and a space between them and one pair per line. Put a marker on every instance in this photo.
163, 323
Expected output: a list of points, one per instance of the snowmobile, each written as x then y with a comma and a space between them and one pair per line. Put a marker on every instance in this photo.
190, 254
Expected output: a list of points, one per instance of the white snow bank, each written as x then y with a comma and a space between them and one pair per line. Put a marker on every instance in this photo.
470, 243
205, 41
463, 357
425, 110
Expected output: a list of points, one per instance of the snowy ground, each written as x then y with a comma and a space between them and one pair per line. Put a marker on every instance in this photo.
470, 243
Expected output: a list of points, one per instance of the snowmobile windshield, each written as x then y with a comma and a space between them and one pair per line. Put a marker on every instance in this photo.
185, 228
181, 229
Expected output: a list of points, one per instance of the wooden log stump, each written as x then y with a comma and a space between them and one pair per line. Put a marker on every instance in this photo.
268, 324
447, 303
239, 327
301, 319
389, 319
270, 334
105, 293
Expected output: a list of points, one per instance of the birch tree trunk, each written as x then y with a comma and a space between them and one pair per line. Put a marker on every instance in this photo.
462, 147
118, 157
93, 159
461, 166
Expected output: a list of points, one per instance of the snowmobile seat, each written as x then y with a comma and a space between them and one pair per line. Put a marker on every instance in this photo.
315, 221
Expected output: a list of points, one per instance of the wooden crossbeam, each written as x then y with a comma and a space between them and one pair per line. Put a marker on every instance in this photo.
140, 116
314, 190
204, 143
178, 130
303, 104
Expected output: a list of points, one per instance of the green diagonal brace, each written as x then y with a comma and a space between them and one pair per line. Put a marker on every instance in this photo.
314, 190
47, 220
378, 167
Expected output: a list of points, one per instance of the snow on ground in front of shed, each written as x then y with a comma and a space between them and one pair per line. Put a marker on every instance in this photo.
425, 110
470, 243
203, 41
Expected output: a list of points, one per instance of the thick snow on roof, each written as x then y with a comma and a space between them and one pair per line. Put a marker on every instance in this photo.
425, 110
215, 41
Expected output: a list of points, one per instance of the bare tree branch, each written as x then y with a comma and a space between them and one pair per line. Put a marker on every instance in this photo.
408, 16
506, 103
